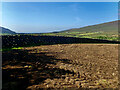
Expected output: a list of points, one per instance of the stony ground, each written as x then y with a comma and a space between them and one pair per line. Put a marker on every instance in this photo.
61, 66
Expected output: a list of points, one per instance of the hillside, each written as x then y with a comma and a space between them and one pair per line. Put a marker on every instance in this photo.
104, 27
105, 31
5, 31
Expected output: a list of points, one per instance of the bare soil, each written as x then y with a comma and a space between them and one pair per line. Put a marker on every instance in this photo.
61, 66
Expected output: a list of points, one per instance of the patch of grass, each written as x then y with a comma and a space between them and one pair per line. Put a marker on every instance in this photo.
8, 49
93, 35
17, 48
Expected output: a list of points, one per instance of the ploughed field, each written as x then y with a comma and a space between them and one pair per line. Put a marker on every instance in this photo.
11, 41
61, 66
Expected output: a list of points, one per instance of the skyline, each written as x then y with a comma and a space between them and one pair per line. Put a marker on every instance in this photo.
41, 17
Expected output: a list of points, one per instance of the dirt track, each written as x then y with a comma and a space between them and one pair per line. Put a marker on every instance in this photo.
62, 66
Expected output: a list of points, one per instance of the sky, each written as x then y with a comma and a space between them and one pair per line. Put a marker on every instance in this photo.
42, 17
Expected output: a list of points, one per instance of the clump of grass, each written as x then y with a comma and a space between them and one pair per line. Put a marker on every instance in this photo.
17, 48
8, 49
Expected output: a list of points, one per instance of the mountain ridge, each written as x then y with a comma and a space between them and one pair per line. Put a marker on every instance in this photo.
6, 31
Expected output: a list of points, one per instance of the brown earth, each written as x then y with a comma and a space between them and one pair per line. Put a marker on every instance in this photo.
61, 66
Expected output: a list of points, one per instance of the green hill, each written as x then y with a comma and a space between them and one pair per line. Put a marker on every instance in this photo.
104, 27
106, 31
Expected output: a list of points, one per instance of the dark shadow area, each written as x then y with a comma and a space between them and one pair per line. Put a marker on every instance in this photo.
22, 69
30, 40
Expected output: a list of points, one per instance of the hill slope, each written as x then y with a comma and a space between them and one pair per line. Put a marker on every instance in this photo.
6, 31
105, 27
106, 31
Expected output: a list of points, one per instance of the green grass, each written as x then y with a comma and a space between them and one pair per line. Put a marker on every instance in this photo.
93, 35
8, 49
17, 48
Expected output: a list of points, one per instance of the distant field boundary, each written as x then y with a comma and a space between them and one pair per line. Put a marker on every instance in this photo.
10, 41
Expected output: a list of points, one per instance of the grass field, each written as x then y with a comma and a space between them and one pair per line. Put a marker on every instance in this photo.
94, 35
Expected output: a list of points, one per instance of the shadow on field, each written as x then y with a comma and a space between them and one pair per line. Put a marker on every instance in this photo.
22, 69
31, 40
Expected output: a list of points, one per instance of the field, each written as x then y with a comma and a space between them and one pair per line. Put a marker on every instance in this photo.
93, 35
59, 46
13, 41
61, 66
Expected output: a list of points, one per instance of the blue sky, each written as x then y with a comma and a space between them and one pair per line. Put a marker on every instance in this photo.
39, 17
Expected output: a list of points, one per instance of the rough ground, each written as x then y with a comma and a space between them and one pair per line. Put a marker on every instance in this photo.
61, 66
